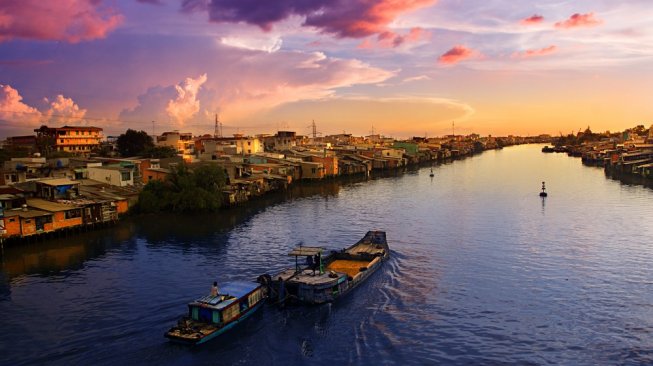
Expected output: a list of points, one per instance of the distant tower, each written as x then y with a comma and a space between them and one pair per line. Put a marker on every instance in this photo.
218, 127
314, 130
153, 133
453, 128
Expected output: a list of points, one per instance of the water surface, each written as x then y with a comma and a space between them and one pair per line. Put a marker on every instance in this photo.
482, 271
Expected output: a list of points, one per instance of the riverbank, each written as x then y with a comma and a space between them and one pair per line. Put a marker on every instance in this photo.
627, 163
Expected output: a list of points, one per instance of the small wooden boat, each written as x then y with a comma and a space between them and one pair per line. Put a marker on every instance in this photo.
210, 316
323, 280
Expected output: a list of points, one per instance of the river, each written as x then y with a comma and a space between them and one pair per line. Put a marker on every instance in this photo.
482, 271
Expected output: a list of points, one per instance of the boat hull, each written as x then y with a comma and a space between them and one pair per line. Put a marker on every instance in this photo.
212, 316
344, 271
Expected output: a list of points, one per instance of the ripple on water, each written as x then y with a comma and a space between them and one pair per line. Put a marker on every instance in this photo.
482, 271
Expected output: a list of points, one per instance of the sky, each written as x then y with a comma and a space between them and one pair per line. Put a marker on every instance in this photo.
399, 68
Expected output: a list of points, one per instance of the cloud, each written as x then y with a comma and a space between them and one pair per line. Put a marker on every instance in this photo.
186, 104
533, 19
416, 78
579, 20
62, 20
13, 112
536, 52
456, 54
389, 39
342, 18
63, 111
267, 44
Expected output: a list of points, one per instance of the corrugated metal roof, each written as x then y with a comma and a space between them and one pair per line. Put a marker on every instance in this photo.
48, 205
27, 214
58, 182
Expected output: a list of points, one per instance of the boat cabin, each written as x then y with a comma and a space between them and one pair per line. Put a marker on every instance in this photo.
235, 299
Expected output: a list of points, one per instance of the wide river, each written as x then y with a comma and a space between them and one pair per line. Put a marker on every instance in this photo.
482, 271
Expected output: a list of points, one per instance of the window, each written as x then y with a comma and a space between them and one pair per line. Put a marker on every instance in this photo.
61, 141
12, 220
313, 170
71, 214
126, 176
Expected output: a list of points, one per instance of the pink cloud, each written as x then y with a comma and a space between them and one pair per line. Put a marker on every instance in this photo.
63, 111
536, 53
61, 20
342, 18
186, 105
579, 20
13, 111
533, 19
388, 39
456, 54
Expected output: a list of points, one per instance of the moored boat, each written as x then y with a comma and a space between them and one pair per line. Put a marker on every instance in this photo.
210, 316
325, 279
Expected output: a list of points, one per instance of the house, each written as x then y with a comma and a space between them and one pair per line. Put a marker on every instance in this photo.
25, 222
54, 189
77, 140
311, 170
330, 164
282, 140
181, 141
113, 175
63, 215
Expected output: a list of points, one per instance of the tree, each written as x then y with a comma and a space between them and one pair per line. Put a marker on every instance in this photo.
159, 152
185, 190
133, 143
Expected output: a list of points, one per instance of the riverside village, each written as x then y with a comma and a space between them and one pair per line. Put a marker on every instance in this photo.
67, 179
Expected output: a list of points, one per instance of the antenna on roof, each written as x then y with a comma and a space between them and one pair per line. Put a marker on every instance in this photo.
218, 127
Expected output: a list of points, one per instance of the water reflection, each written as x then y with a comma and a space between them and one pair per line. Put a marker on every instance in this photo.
210, 230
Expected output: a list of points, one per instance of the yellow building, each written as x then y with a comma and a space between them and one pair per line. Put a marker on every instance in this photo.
78, 140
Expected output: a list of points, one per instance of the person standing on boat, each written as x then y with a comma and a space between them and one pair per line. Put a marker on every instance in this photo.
309, 262
214, 289
318, 263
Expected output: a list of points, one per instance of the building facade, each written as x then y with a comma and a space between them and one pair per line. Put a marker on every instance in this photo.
77, 140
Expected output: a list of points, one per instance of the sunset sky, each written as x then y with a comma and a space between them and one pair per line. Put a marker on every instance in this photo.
400, 67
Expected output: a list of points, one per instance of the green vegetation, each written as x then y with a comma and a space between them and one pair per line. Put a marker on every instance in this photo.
160, 152
8, 153
589, 136
134, 143
185, 190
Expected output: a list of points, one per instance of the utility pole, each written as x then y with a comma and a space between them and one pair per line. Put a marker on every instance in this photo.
453, 128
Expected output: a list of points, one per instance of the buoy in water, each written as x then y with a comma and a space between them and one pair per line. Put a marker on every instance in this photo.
543, 193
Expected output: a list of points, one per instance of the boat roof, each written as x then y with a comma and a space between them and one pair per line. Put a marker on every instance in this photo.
305, 251
237, 289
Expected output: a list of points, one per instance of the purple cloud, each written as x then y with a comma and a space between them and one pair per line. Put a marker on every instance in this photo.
342, 18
